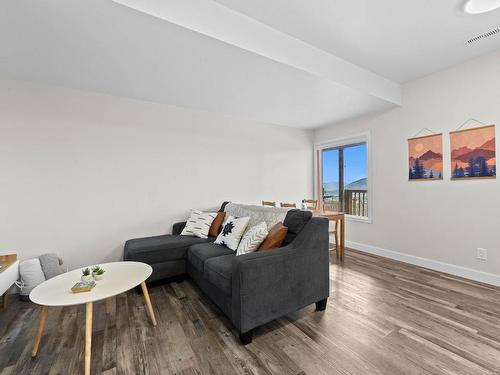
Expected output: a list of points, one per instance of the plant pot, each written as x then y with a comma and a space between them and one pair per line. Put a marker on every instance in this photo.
97, 277
86, 277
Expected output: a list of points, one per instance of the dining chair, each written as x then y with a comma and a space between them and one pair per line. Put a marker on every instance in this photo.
331, 206
311, 204
288, 205
269, 203
335, 232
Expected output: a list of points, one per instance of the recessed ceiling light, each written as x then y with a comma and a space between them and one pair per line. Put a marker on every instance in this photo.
481, 6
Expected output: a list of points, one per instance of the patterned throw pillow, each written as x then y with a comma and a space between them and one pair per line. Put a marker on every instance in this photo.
199, 224
252, 239
232, 231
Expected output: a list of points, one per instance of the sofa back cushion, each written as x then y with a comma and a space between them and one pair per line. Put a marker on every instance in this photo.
295, 221
270, 215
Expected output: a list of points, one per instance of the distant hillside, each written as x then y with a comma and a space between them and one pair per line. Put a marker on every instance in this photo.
332, 188
332, 185
361, 184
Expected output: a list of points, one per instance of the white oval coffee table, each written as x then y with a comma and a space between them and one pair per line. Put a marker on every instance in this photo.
118, 278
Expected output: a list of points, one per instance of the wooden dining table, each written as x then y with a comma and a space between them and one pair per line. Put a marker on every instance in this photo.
335, 216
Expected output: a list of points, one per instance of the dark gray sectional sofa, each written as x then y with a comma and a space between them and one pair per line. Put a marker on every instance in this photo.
251, 289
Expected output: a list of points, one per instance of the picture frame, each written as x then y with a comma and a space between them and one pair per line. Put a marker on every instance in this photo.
473, 153
425, 158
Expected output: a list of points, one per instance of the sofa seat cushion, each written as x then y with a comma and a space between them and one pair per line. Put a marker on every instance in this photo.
160, 248
199, 253
218, 271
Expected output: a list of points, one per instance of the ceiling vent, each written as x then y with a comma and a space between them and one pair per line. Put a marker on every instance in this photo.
480, 37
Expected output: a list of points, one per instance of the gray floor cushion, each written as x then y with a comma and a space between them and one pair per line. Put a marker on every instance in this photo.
199, 253
218, 271
51, 265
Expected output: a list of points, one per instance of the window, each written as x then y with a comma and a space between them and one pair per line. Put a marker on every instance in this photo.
342, 176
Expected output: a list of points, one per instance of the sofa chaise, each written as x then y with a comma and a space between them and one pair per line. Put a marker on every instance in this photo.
251, 289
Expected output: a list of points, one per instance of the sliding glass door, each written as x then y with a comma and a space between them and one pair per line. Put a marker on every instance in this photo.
331, 184
344, 179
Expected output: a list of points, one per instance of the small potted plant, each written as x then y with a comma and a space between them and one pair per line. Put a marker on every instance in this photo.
86, 276
97, 273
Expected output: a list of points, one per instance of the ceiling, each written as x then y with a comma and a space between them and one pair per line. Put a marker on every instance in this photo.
292, 63
398, 39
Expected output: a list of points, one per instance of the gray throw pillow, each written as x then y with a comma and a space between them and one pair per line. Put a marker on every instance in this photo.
51, 265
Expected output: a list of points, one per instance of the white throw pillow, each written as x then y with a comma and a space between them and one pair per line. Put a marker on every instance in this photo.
199, 224
252, 239
232, 231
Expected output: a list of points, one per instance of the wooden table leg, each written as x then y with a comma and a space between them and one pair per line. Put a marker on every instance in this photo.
88, 336
39, 331
342, 237
5, 299
148, 302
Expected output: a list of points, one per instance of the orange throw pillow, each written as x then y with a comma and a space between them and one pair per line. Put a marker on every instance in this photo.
275, 237
216, 224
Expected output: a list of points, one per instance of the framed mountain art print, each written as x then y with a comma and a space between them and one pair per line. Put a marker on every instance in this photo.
425, 157
473, 153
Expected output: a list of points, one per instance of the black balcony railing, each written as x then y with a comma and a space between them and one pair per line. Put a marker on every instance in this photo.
354, 202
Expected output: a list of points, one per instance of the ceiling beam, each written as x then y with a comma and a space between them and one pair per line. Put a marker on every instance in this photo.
222, 23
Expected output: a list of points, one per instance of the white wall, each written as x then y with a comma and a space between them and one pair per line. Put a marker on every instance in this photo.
441, 221
83, 172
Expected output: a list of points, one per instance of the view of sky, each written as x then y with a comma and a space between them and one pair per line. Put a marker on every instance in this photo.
354, 164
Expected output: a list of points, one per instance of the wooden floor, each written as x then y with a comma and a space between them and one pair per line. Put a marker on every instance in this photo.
383, 317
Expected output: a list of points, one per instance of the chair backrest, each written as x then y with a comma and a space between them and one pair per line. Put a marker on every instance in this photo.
269, 203
311, 203
282, 204
331, 206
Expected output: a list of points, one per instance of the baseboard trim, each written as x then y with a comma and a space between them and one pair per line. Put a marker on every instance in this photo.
467, 273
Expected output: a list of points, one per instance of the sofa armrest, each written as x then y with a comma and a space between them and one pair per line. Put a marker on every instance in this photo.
270, 284
178, 227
